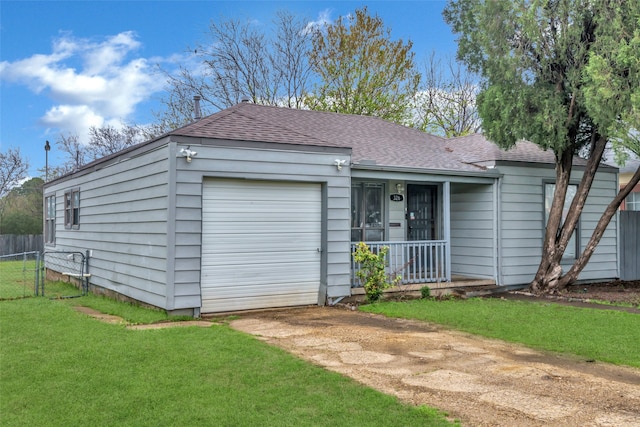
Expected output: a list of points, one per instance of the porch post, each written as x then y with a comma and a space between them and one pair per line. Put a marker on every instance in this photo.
446, 210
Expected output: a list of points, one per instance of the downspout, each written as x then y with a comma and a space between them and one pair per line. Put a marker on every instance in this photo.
336, 300
497, 221
618, 246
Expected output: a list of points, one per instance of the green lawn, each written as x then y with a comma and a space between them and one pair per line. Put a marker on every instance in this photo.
61, 368
605, 335
17, 278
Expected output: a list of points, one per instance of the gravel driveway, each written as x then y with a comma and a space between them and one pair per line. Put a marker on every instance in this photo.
480, 381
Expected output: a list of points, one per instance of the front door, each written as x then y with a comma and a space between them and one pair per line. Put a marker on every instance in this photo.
422, 212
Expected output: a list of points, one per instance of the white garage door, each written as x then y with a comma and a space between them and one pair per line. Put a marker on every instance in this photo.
260, 244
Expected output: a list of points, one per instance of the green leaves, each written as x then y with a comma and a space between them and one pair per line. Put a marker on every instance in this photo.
565, 75
612, 75
553, 72
362, 71
372, 271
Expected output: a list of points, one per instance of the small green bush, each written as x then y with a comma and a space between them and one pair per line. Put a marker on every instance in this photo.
372, 271
425, 291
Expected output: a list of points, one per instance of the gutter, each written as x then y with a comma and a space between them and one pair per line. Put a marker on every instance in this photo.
487, 174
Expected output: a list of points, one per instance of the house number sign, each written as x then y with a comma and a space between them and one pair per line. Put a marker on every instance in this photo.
396, 197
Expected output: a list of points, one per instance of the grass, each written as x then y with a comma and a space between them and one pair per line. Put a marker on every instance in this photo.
614, 303
605, 335
17, 278
59, 367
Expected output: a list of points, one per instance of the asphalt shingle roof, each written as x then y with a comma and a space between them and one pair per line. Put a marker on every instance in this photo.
372, 140
475, 148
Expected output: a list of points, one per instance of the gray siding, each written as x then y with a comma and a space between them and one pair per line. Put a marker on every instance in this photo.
604, 262
522, 224
629, 244
123, 221
258, 164
473, 230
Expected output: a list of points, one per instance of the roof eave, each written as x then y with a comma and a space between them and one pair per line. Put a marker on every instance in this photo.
428, 171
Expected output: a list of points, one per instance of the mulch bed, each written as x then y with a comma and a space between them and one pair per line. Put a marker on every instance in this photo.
593, 295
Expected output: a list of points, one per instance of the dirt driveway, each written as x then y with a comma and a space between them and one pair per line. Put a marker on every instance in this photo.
482, 382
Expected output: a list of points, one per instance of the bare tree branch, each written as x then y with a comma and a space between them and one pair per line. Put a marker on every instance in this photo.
13, 169
446, 103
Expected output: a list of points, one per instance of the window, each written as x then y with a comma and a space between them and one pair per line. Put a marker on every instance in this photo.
72, 209
632, 202
50, 220
549, 189
367, 212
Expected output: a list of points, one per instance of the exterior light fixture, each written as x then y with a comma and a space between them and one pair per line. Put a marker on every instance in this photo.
188, 153
399, 188
339, 163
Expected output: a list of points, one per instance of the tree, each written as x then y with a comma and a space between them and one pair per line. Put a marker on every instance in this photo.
13, 169
241, 60
362, 71
21, 210
446, 102
563, 74
292, 46
107, 140
103, 141
77, 155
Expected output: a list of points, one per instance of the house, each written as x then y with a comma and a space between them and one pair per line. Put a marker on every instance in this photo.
632, 201
259, 206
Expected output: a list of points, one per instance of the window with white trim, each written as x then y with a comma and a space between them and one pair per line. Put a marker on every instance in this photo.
549, 190
72, 208
632, 202
50, 220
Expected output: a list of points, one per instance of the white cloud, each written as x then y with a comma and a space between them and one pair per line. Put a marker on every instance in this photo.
324, 19
90, 82
73, 119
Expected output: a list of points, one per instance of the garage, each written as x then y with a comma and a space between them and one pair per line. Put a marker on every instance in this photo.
261, 244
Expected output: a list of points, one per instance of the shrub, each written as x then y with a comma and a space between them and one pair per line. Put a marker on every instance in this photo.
425, 291
372, 271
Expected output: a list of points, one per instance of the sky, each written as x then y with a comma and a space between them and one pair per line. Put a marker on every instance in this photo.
68, 65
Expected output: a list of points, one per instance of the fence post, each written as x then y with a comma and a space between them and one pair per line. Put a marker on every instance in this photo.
85, 283
37, 283
43, 270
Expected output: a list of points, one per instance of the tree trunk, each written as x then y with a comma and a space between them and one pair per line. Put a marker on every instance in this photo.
549, 277
549, 269
605, 219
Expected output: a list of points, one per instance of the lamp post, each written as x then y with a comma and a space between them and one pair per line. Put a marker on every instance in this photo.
47, 147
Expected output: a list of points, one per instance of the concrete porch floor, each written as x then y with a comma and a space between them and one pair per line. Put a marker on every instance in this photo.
437, 288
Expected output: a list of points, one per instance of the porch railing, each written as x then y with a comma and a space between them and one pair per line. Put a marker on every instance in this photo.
420, 261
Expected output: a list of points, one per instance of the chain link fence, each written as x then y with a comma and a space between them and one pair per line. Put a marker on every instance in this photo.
66, 266
19, 275
26, 274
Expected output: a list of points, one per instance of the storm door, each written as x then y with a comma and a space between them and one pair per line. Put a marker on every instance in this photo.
367, 212
424, 259
422, 212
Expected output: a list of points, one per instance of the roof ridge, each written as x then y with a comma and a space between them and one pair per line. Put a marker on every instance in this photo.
281, 126
469, 135
349, 115
211, 118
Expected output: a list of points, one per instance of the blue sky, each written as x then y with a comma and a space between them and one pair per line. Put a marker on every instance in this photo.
68, 65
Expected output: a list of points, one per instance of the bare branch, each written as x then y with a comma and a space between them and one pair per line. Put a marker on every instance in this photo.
446, 103
13, 169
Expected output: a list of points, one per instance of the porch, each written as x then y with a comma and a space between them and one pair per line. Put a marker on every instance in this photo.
418, 263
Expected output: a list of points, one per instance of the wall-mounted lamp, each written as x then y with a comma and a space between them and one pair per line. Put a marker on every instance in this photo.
399, 188
339, 163
188, 153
